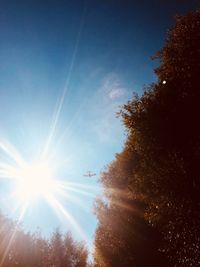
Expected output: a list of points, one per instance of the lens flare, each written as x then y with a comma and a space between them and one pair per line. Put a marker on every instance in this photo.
35, 180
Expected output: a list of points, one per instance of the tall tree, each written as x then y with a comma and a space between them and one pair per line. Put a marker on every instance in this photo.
75, 252
56, 249
159, 165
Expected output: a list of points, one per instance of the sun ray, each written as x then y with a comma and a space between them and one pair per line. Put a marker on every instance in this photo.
13, 234
75, 200
8, 247
60, 102
57, 206
79, 191
66, 131
82, 185
12, 153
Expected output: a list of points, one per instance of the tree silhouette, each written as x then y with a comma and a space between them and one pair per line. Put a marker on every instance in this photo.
159, 165
18, 248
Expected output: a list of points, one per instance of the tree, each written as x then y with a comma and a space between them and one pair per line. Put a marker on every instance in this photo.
56, 249
18, 248
41, 251
123, 236
75, 252
159, 165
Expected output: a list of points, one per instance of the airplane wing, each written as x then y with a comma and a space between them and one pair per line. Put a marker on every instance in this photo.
89, 174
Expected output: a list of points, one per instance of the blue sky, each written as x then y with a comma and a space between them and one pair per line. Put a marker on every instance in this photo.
86, 57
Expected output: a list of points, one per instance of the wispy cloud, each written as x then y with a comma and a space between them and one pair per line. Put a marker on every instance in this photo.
116, 93
109, 97
112, 87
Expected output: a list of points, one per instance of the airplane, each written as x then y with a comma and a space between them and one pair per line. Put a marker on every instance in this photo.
89, 174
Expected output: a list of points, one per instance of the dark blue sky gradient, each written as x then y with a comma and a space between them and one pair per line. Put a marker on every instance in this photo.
118, 35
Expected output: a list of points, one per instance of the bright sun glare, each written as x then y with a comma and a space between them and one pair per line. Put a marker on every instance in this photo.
38, 179
35, 180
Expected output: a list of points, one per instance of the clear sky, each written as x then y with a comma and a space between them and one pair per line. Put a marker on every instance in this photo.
65, 68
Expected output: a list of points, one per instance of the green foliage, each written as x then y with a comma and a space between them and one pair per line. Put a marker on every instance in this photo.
159, 165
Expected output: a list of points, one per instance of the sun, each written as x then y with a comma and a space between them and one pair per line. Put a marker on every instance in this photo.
35, 180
